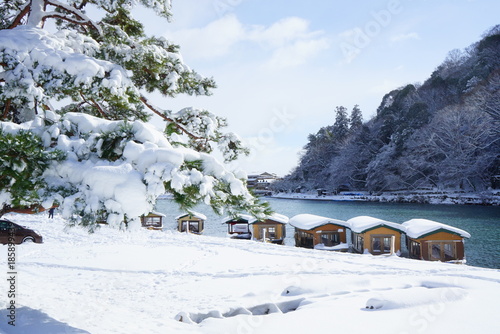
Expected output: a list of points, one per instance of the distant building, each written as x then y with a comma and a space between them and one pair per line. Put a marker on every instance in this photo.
261, 183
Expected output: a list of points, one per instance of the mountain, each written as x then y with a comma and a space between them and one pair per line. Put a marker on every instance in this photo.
442, 134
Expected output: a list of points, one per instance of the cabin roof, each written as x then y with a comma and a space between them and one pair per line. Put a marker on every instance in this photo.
309, 222
155, 213
282, 219
248, 218
362, 224
419, 228
193, 214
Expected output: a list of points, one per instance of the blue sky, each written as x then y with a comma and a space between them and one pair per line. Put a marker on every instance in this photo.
283, 66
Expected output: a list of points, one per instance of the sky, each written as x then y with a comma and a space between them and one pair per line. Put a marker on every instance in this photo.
282, 67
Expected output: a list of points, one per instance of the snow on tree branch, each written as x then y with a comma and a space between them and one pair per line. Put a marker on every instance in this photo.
120, 167
100, 159
39, 66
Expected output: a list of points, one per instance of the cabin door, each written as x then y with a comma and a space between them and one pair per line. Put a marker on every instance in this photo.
381, 244
330, 239
442, 251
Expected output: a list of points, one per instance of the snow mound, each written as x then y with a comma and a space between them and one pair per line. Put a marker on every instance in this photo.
261, 309
415, 296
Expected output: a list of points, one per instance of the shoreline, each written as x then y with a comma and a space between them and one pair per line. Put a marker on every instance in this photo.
449, 198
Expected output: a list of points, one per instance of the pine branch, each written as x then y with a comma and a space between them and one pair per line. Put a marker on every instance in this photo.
166, 118
95, 104
6, 109
82, 19
19, 17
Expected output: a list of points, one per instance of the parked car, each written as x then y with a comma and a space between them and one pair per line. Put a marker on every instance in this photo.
19, 233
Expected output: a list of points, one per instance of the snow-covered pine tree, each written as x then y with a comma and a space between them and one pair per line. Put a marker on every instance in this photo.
356, 119
340, 128
94, 155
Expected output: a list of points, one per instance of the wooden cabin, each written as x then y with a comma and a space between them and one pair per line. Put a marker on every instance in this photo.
272, 229
192, 222
433, 241
153, 221
375, 236
239, 228
318, 232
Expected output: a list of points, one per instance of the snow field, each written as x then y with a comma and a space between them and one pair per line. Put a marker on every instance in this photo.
146, 281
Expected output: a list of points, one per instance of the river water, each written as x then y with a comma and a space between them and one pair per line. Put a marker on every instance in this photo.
482, 222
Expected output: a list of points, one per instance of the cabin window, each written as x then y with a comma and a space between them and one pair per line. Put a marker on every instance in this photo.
305, 239
414, 248
238, 228
381, 244
194, 226
152, 221
268, 232
442, 251
271, 232
330, 239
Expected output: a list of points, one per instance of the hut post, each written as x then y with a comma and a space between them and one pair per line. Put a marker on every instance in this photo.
393, 244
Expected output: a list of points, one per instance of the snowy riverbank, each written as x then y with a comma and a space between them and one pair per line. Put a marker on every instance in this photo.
428, 197
146, 281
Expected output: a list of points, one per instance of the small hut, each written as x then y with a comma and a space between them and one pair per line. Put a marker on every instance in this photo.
433, 241
318, 232
375, 236
192, 222
239, 228
153, 221
271, 229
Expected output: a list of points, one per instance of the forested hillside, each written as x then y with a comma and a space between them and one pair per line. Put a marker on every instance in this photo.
441, 134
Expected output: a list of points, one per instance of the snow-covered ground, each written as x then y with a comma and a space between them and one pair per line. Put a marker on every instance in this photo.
147, 281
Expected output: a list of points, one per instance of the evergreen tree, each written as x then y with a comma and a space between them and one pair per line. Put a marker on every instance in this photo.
341, 126
105, 69
356, 119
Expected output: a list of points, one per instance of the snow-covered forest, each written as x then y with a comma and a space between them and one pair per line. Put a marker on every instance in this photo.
74, 109
442, 134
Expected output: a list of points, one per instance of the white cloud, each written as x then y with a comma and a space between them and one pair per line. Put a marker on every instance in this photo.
403, 37
287, 42
297, 53
282, 32
213, 40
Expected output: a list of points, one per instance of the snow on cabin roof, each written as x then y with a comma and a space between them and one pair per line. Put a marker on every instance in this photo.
275, 216
308, 222
156, 213
193, 214
417, 228
361, 224
248, 218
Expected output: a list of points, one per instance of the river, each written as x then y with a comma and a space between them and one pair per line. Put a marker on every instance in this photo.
482, 222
